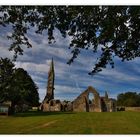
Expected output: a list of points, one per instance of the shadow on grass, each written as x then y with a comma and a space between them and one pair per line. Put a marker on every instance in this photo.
39, 113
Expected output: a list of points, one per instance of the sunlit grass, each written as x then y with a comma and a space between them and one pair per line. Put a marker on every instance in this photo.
71, 123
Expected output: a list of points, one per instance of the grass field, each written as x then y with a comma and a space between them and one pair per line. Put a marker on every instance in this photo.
71, 123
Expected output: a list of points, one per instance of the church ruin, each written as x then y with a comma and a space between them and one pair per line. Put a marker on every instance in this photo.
49, 103
81, 104
98, 104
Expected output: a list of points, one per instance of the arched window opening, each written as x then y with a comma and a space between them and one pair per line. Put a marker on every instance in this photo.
91, 98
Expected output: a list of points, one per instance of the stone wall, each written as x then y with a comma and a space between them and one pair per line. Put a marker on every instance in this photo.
81, 103
66, 106
132, 108
52, 105
98, 104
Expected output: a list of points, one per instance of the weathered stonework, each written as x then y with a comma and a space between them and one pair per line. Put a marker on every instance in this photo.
81, 104
52, 105
66, 106
98, 104
50, 84
49, 104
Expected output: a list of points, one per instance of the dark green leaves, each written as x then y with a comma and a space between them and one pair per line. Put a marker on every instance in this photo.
91, 27
130, 99
16, 85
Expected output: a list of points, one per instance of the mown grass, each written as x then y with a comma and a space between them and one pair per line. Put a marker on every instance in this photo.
71, 123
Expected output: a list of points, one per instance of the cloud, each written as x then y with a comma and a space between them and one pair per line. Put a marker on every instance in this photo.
4, 48
71, 80
119, 75
32, 66
42, 93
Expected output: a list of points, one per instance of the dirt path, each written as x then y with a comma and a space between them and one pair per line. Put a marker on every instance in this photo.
37, 127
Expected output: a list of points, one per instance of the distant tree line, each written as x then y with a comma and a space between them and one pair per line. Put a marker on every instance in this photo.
16, 85
129, 99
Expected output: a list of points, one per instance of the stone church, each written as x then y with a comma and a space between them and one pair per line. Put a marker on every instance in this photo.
81, 104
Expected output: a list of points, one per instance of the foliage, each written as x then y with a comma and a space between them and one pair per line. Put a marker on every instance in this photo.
6, 72
24, 85
111, 30
129, 99
16, 85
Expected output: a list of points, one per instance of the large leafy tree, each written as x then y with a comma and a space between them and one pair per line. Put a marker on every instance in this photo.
23, 84
16, 85
111, 30
6, 75
129, 99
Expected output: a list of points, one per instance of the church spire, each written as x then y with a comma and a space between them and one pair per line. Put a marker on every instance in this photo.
50, 84
106, 95
52, 66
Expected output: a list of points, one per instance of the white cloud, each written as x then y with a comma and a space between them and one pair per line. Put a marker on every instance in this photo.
29, 66
4, 48
42, 93
65, 89
119, 75
38, 78
73, 78
4, 52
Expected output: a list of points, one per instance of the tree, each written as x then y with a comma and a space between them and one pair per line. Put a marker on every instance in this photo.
113, 30
16, 85
129, 99
23, 84
6, 72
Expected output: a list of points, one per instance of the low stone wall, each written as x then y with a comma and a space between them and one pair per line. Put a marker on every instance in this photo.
132, 108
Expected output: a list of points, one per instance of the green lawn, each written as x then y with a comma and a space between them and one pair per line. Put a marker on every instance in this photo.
71, 123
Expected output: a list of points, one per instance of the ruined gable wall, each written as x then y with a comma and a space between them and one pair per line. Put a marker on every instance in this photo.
81, 103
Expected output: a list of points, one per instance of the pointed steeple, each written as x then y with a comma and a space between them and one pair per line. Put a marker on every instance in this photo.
50, 84
51, 66
106, 95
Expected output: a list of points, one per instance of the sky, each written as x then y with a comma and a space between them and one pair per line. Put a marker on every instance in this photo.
70, 80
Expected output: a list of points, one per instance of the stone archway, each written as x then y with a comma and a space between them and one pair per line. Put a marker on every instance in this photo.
81, 103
